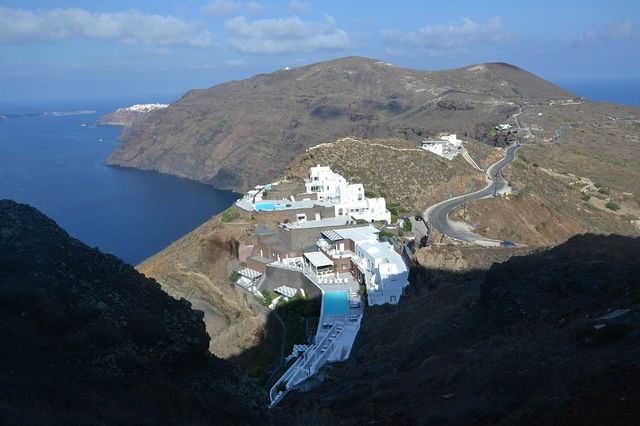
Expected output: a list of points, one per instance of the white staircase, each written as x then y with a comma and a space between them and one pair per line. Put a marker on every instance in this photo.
308, 364
466, 156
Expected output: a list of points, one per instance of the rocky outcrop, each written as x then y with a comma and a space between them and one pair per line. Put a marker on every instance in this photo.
196, 268
242, 133
86, 339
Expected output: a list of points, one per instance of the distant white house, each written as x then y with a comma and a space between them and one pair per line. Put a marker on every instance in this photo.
347, 198
448, 146
504, 126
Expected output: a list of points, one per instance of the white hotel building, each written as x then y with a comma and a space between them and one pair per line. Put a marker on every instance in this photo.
348, 199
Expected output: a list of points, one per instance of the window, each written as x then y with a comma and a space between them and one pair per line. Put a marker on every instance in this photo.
344, 266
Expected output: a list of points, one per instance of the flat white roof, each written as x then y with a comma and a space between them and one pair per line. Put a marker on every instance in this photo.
318, 259
381, 250
361, 233
328, 221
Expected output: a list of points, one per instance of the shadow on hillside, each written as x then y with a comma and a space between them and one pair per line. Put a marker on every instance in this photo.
294, 322
87, 340
550, 337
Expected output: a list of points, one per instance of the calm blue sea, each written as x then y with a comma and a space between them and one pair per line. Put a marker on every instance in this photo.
58, 166
615, 91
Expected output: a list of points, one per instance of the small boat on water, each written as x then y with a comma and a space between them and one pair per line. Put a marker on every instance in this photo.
100, 140
83, 125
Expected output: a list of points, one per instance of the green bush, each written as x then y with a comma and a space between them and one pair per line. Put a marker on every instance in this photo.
363, 293
233, 277
407, 226
612, 206
604, 190
369, 194
522, 193
586, 197
387, 234
229, 215
268, 297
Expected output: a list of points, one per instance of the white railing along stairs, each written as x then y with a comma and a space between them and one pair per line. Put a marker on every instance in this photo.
308, 364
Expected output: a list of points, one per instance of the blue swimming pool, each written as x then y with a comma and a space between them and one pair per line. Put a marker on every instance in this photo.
267, 206
336, 302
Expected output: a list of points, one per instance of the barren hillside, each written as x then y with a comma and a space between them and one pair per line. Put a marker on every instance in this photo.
238, 134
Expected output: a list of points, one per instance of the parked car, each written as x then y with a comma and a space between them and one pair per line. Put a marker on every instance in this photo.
507, 243
418, 217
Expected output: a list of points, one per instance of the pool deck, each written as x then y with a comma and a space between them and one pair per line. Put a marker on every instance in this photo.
334, 337
246, 203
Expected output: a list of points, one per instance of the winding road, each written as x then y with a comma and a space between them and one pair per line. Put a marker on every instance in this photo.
438, 214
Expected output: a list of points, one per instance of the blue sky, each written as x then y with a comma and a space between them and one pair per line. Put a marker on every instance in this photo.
80, 49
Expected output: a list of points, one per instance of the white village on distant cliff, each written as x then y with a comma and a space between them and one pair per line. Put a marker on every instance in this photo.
325, 246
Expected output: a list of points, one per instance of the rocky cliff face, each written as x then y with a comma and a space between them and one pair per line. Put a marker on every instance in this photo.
120, 118
547, 338
196, 268
242, 133
85, 339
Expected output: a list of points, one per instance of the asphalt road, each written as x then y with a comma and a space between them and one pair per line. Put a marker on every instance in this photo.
439, 213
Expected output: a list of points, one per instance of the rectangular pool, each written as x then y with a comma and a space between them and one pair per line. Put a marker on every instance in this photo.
336, 302
267, 206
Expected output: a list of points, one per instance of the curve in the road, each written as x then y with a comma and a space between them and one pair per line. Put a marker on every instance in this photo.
438, 214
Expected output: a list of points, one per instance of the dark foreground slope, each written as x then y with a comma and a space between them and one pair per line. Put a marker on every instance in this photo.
527, 342
242, 133
85, 339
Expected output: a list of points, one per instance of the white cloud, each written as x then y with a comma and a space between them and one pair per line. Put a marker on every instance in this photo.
284, 35
235, 62
461, 34
130, 27
612, 32
298, 6
227, 7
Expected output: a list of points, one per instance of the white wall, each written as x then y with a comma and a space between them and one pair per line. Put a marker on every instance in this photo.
348, 199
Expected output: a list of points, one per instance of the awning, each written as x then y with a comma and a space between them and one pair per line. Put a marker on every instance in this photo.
332, 235
286, 291
318, 259
252, 274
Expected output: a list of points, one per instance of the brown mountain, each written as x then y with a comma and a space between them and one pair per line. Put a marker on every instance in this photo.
241, 133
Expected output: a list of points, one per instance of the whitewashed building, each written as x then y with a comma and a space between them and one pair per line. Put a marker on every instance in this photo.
347, 198
448, 146
358, 251
385, 273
